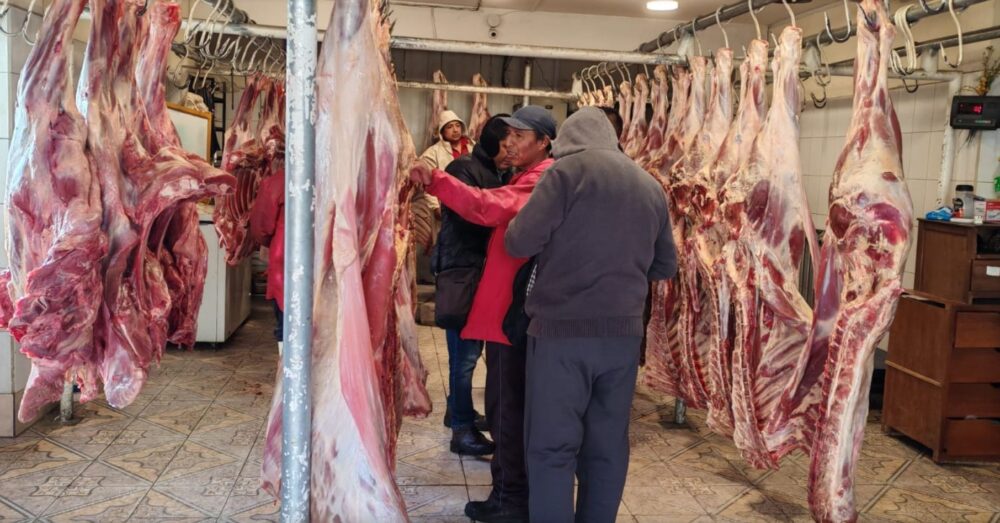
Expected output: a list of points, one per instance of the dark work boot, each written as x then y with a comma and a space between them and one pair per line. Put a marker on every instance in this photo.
492, 511
481, 424
470, 442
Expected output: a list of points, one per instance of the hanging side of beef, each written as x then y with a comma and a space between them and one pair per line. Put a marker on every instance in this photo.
480, 109
54, 237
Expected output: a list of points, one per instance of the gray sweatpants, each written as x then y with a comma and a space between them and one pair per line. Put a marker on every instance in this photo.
579, 395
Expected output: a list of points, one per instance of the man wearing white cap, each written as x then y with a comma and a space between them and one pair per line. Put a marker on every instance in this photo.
453, 144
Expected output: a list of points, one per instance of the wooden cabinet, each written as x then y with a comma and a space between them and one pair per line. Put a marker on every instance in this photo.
958, 262
943, 377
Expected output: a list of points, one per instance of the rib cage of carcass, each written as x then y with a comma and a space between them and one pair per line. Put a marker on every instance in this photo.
253, 150
103, 267
733, 334
365, 363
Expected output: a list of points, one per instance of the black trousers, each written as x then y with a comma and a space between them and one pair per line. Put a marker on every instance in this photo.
579, 395
505, 381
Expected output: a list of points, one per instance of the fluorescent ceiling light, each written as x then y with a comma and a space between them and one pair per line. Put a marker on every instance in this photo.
662, 5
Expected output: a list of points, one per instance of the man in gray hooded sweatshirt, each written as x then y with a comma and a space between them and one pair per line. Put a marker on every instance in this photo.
598, 226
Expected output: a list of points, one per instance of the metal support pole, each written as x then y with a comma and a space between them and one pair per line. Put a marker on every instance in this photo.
680, 411
66, 404
527, 82
300, 165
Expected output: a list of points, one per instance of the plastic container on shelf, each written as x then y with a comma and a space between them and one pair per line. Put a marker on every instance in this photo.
964, 203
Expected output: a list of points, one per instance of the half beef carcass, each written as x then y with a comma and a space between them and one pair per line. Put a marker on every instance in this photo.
439, 104
770, 224
358, 363
480, 109
864, 251
635, 140
656, 132
138, 187
176, 238
244, 157
670, 368
699, 310
54, 237
713, 234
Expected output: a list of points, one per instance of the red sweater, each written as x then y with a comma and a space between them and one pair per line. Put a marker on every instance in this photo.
267, 227
490, 208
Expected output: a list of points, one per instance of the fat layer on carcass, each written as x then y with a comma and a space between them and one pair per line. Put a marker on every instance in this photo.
361, 373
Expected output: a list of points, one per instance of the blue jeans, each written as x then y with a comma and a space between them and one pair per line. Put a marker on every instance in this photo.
462, 358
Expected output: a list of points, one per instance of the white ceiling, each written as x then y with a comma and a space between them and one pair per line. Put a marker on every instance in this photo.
630, 8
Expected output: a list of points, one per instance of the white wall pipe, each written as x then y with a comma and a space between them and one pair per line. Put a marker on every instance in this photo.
527, 83
510, 91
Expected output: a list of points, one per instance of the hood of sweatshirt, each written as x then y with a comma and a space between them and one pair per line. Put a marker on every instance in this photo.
588, 128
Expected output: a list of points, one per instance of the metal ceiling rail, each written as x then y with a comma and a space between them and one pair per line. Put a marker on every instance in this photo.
560, 95
705, 21
912, 16
981, 35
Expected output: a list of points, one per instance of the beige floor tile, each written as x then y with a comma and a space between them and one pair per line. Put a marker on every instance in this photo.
435, 501
477, 471
901, 504
109, 510
10, 513
653, 501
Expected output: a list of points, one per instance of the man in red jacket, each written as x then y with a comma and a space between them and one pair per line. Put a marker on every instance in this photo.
267, 227
532, 131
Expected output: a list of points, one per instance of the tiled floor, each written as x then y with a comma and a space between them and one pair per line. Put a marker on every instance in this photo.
189, 450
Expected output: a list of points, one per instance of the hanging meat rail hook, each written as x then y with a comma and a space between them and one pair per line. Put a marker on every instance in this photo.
791, 13
142, 10
188, 31
909, 44
27, 22
203, 37
694, 34
627, 71
756, 23
847, 32
928, 9
718, 22
958, 26
173, 73
821, 75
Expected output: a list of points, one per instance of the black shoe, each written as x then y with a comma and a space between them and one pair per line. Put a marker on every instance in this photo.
491, 511
480, 422
471, 442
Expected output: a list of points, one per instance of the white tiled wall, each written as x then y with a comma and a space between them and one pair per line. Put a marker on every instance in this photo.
923, 120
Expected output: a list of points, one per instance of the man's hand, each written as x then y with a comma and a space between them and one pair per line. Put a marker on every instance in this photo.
421, 173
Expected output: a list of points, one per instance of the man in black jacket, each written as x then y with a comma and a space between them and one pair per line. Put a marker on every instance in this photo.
458, 261
599, 227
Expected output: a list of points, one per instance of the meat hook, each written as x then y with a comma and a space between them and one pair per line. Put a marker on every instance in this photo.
915, 88
694, 34
718, 22
187, 30
870, 18
626, 69
142, 10
791, 14
928, 9
3, 10
27, 22
822, 74
958, 26
909, 43
847, 33
819, 103
753, 15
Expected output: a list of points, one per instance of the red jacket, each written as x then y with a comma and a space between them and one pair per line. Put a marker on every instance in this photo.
490, 208
267, 227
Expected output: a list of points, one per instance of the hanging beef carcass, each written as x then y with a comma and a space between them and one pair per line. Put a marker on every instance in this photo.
137, 187
480, 109
865, 246
770, 224
244, 157
359, 365
635, 138
626, 98
176, 238
656, 132
54, 238
699, 312
732, 157
439, 104
670, 368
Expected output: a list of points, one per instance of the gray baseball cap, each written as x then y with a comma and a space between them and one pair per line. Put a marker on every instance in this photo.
533, 118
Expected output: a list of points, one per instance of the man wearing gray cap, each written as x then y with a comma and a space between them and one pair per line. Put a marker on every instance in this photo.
528, 145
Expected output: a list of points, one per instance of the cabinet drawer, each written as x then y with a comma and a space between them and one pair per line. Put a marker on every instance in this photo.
977, 330
973, 399
975, 366
976, 438
985, 276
